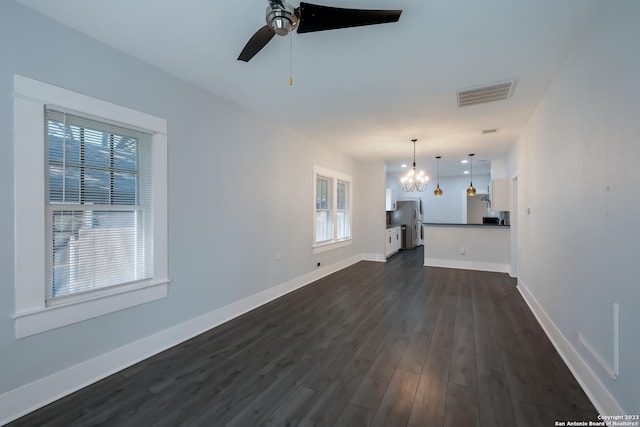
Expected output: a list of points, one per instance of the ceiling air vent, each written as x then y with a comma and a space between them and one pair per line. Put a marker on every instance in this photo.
484, 94
486, 131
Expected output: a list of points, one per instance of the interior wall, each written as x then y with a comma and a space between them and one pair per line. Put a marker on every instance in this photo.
240, 195
577, 164
451, 206
370, 228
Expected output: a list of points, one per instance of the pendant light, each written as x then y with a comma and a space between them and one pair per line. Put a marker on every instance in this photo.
413, 180
471, 191
438, 191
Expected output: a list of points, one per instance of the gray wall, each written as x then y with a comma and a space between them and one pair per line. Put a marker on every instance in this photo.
371, 205
240, 193
577, 164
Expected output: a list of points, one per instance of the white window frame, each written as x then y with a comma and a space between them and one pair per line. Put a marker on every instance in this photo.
334, 177
32, 314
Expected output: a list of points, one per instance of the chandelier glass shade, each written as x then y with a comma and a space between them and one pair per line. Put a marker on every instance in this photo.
438, 191
471, 191
414, 180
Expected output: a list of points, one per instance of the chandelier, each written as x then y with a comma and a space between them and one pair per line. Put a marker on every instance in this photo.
413, 180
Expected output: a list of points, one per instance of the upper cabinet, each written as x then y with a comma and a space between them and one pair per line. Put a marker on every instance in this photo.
500, 195
392, 200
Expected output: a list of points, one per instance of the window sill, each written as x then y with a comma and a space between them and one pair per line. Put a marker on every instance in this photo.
74, 311
324, 247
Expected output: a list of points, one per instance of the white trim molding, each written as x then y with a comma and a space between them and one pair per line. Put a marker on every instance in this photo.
331, 246
599, 395
467, 265
597, 356
31, 323
32, 314
374, 257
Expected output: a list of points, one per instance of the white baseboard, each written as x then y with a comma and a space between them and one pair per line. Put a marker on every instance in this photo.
599, 395
29, 397
467, 265
374, 257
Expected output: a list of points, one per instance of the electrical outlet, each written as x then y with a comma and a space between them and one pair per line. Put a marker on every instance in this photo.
462, 251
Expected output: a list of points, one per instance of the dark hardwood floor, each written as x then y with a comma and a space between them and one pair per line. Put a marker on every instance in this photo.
376, 344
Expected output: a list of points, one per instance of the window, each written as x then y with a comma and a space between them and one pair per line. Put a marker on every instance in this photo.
343, 218
91, 228
98, 210
324, 211
332, 209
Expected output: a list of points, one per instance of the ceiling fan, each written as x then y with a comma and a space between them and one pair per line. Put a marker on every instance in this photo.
282, 18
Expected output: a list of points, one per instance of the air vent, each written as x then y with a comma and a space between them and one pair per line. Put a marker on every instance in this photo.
484, 94
486, 131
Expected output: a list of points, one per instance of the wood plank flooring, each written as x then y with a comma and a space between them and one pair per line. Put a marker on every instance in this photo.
376, 344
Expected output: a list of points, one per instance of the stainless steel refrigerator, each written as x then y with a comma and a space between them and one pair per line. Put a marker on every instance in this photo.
408, 213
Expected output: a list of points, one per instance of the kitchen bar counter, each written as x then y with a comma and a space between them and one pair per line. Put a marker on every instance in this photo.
395, 225
484, 247
463, 225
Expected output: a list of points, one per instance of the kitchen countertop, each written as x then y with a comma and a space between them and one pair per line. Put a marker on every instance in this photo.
394, 226
464, 225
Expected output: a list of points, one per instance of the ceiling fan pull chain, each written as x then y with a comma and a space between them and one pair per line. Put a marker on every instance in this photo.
290, 59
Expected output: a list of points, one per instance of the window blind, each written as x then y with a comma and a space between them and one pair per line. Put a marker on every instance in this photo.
324, 218
342, 214
99, 217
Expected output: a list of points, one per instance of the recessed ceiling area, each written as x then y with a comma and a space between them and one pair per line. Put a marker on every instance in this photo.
366, 90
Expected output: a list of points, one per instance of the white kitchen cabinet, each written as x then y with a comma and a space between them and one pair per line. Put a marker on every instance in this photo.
393, 241
500, 195
397, 243
391, 200
388, 243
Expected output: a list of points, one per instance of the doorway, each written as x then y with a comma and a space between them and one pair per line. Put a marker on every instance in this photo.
513, 216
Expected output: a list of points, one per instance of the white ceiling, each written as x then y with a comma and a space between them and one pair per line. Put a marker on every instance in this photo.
367, 90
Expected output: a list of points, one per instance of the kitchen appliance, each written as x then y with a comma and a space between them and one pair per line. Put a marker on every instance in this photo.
490, 220
420, 227
408, 213
419, 216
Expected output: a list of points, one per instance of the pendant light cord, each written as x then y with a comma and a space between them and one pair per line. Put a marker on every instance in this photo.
291, 58
414, 154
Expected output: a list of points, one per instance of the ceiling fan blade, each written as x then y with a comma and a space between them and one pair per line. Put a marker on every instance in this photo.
314, 17
256, 43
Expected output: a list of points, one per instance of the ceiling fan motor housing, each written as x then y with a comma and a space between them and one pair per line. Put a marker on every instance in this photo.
282, 20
